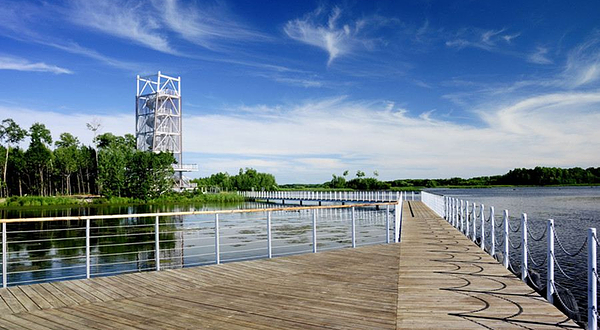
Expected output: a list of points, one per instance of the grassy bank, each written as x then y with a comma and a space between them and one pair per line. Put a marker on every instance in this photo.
175, 198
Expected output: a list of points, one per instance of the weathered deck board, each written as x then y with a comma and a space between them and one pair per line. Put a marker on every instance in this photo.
442, 273
435, 278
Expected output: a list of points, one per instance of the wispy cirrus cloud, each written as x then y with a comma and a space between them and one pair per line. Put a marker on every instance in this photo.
540, 56
21, 64
133, 21
583, 63
489, 40
328, 31
209, 26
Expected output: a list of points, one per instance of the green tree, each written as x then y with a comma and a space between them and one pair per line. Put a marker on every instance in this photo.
113, 154
39, 156
360, 174
10, 134
148, 174
67, 158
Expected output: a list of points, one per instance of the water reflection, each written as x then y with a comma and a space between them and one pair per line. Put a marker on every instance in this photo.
55, 250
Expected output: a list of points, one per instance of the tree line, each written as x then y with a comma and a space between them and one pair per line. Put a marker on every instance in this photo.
248, 179
538, 176
66, 166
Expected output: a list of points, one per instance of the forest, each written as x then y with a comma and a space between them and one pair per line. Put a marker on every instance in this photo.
114, 168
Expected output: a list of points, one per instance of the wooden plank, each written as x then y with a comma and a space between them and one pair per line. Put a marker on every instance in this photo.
23, 298
59, 295
73, 292
47, 295
36, 297
11, 301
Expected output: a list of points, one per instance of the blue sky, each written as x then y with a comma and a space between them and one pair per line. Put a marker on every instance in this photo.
302, 89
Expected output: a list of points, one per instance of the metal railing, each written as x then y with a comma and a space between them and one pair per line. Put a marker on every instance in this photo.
38, 250
333, 196
517, 239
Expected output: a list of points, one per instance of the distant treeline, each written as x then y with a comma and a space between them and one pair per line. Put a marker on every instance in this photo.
248, 179
538, 176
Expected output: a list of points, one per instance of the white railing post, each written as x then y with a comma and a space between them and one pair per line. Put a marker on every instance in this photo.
492, 231
467, 219
592, 280
157, 242
217, 245
87, 248
550, 265
462, 216
397, 211
4, 256
454, 213
269, 240
506, 242
353, 229
482, 214
314, 230
387, 224
474, 237
524, 247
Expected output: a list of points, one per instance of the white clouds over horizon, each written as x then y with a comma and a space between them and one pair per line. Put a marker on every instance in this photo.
308, 142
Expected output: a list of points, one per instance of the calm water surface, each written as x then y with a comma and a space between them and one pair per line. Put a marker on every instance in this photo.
40, 252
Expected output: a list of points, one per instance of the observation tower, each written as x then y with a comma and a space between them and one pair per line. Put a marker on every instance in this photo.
158, 121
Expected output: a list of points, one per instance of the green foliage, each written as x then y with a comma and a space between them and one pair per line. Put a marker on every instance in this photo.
127, 172
248, 179
337, 182
148, 175
39, 201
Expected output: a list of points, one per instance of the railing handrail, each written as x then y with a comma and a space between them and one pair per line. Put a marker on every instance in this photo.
160, 214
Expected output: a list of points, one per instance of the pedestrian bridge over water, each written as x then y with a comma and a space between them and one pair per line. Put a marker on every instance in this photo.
434, 278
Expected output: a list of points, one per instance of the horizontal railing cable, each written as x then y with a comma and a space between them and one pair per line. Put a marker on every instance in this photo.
567, 252
540, 237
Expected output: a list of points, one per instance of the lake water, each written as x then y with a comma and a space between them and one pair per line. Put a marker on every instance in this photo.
574, 210
48, 251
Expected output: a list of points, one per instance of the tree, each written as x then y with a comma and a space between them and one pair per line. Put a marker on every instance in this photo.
337, 182
149, 174
113, 153
67, 157
345, 174
39, 156
360, 174
10, 134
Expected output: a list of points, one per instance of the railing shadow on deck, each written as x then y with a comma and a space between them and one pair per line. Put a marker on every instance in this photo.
510, 244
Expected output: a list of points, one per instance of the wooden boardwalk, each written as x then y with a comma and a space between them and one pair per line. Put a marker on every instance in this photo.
435, 279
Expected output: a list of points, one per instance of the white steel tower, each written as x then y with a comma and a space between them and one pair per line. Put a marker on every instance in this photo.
158, 120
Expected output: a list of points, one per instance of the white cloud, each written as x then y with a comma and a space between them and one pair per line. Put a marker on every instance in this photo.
207, 27
20, 64
337, 39
583, 63
127, 20
539, 56
482, 39
74, 123
308, 142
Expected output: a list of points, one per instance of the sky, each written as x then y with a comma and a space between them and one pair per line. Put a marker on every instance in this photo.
307, 89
